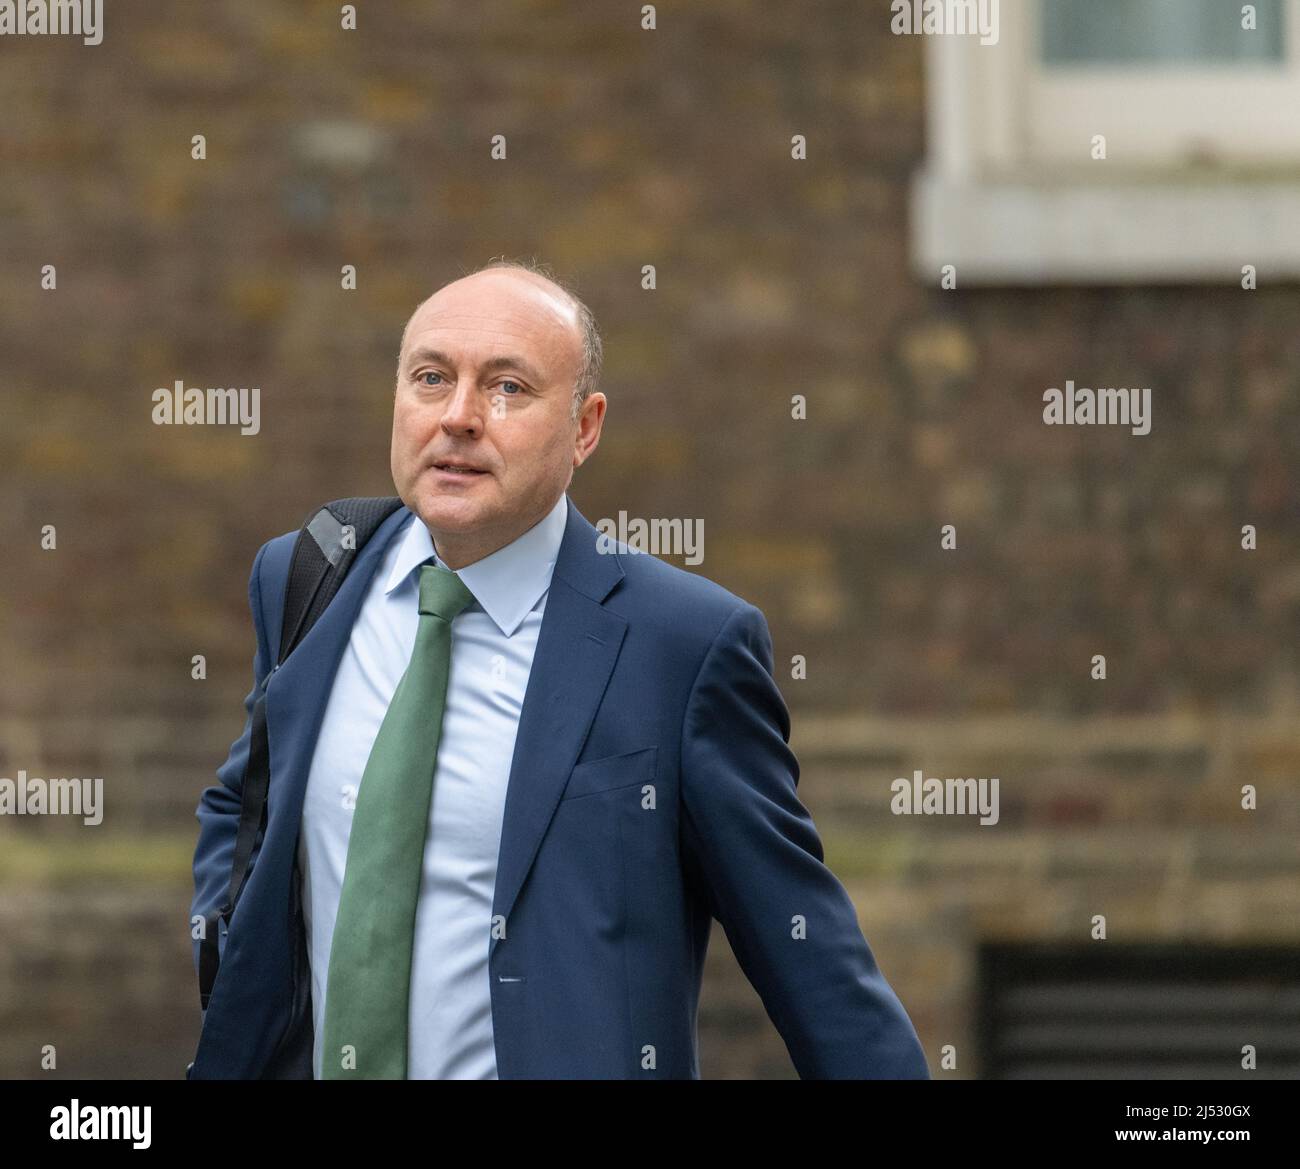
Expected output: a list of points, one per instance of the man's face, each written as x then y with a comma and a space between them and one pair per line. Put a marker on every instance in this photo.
485, 381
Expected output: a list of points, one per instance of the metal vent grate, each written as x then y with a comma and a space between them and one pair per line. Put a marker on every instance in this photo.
1104, 1011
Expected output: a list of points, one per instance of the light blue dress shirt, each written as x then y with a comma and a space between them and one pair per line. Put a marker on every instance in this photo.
493, 642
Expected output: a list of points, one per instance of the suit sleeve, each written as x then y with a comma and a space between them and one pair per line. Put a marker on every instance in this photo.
754, 850
218, 808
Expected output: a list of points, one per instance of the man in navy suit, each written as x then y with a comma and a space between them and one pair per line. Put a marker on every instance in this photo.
612, 773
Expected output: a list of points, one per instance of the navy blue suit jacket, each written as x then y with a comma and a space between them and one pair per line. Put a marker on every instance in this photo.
652, 789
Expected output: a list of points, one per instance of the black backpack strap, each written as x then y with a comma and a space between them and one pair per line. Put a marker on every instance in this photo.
326, 546
338, 531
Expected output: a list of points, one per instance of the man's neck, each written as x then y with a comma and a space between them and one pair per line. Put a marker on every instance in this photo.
460, 551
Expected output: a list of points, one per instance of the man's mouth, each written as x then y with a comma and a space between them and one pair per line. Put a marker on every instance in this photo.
459, 469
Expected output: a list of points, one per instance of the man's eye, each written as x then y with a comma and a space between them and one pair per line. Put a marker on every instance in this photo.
429, 374
515, 384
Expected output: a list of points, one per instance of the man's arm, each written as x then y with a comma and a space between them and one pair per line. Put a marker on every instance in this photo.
754, 849
218, 809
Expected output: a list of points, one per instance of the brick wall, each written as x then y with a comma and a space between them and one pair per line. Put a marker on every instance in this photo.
775, 277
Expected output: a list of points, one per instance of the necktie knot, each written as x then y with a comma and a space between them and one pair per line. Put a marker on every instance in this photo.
442, 593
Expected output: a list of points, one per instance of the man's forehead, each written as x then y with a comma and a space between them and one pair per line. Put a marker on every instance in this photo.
520, 297
512, 306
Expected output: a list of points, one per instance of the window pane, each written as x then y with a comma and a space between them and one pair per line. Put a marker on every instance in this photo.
1106, 31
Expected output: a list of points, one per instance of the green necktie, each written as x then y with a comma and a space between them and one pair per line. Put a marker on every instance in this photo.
368, 993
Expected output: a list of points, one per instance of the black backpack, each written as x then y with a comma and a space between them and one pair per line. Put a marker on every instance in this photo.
321, 558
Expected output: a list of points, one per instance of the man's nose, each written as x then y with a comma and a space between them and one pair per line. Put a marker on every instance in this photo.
463, 410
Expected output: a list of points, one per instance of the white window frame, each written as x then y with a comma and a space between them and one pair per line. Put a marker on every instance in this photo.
1010, 194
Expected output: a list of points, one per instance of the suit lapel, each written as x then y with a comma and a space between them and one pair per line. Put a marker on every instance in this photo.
577, 646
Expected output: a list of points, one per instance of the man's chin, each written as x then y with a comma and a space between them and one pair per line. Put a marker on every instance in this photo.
450, 513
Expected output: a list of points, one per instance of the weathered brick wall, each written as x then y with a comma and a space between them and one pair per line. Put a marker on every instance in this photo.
775, 277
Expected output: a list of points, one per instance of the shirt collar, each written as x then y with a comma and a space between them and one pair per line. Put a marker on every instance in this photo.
508, 583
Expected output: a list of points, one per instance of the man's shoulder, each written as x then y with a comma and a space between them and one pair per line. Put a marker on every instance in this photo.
274, 556
686, 602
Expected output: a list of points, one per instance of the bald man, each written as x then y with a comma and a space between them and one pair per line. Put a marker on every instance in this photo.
517, 770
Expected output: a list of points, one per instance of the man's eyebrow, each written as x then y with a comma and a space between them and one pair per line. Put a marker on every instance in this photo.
493, 363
